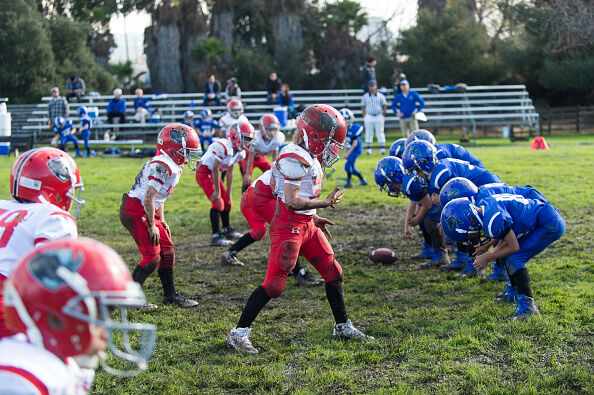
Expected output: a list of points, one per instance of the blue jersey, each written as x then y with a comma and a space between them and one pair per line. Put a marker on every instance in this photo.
207, 127
499, 188
505, 212
455, 151
415, 191
85, 121
354, 134
446, 169
65, 130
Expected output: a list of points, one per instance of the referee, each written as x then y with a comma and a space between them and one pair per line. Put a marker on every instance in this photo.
373, 108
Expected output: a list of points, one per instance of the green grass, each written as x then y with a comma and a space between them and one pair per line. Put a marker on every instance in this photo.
434, 333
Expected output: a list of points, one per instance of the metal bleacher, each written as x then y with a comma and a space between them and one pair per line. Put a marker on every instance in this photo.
478, 106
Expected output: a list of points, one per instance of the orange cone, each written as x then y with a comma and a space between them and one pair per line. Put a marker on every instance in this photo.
539, 143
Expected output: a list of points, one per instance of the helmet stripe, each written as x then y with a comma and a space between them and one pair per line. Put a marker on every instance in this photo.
17, 174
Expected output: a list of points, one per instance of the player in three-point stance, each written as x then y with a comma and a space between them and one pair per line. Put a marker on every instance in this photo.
44, 183
142, 208
59, 299
296, 229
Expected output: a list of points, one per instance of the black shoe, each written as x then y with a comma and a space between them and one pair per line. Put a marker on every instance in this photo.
229, 233
179, 300
307, 279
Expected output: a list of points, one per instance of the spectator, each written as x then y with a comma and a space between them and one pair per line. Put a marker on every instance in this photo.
141, 106
405, 105
285, 99
232, 90
273, 85
212, 90
368, 74
396, 78
57, 107
374, 110
116, 107
75, 86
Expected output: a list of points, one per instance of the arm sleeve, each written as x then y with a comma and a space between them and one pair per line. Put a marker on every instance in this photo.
395, 104
58, 225
109, 105
421, 103
498, 225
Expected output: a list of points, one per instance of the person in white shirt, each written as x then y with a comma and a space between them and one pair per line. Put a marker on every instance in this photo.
373, 108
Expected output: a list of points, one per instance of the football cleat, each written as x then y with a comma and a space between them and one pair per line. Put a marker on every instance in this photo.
239, 339
525, 308
369, 152
230, 258
219, 241
426, 253
179, 300
348, 184
303, 277
363, 183
507, 295
149, 306
229, 233
440, 258
348, 331
469, 271
499, 274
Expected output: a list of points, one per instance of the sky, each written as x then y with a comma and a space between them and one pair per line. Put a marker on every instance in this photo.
401, 12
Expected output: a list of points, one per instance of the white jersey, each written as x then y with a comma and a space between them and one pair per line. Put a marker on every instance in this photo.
28, 369
23, 225
298, 167
159, 172
262, 147
222, 150
227, 120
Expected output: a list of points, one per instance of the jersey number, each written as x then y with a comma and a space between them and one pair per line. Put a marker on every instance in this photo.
8, 223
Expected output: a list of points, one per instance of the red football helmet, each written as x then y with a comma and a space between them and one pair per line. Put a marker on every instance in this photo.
58, 291
235, 108
180, 142
241, 135
323, 130
47, 175
269, 126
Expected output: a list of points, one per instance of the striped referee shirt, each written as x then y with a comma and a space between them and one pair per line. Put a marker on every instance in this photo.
373, 104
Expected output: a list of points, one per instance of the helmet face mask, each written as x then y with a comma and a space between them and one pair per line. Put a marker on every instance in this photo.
269, 126
389, 175
180, 142
235, 108
241, 135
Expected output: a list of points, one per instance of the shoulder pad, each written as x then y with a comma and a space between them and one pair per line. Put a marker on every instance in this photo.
292, 166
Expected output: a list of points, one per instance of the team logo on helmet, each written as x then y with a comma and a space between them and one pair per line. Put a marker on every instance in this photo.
328, 123
415, 151
452, 222
453, 193
60, 168
178, 135
45, 267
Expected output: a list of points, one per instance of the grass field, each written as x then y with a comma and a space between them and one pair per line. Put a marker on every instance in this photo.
434, 333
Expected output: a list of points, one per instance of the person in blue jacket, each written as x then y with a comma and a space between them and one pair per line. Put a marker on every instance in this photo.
406, 105
116, 107
519, 228
354, 133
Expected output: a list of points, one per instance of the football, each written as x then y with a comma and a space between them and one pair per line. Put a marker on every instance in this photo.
383, 255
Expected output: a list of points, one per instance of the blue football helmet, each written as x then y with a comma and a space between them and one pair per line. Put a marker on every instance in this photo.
397, 148
420, 134
60, 122
82, 110
458, 187
206, 114
188, 114
419, 155
388, 175
461, 221
348, 116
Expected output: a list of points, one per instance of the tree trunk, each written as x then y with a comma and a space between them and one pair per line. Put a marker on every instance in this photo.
192, 27
222, 25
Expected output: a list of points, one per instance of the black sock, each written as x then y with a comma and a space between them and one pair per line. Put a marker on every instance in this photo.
297, 268
214, 220
240, 244
522, 280
88, 152
335, 295
254, 305
225, 219
140, 274
349, 176
166, 276
360, 176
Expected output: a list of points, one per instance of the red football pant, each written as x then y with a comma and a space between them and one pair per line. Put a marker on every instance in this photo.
134, 219
290, 235
4, 331
261, 162
258, 210
204, 179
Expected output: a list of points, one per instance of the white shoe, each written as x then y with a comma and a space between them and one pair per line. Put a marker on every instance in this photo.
239, 339
348, 331
369, 152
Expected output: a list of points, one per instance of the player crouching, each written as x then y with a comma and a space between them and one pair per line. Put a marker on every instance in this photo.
296, 229
142, 208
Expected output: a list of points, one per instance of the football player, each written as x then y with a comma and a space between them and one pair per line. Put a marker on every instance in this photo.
43, 183
188, 118
142, 209
222, 156
258, 204
445, 150
296, 229
397, 148
59, 299
266, 140
521, 228
354, 133
85, 127
390, 177
233, 114
206, 127
65, 131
